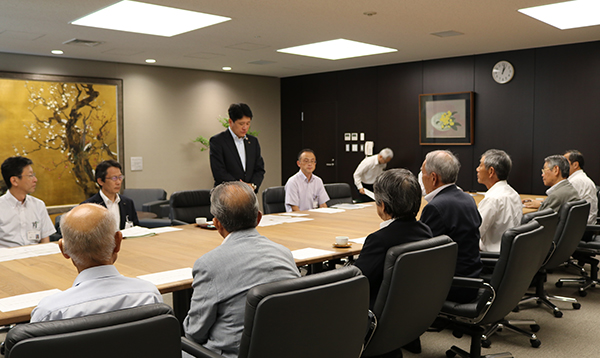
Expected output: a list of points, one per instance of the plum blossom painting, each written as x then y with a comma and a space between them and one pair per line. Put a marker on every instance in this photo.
446, 119
65, 125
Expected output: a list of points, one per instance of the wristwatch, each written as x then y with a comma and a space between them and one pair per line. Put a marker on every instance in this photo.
253, 186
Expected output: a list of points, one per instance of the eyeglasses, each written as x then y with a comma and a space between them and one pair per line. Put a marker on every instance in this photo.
544, 170
115, 178
30, 176
311, 161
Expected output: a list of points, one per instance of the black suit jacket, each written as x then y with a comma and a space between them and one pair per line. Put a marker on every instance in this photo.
454, 213
372, 255
126, 209
225, 161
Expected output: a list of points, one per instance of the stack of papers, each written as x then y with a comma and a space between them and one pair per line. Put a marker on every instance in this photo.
309, 252
23, 252
328, 210
138, 231
348, 206
161, 278
270, 220
24, 301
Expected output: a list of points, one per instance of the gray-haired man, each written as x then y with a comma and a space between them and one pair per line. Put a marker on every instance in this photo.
369, 169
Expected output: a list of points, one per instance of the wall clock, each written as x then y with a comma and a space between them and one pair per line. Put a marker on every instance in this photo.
503, 72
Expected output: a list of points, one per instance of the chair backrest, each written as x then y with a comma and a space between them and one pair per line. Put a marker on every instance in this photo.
338, 193
189, 204
522, 253
321, 315
274, 200
141, 196
407, 303
144, 331
572, 222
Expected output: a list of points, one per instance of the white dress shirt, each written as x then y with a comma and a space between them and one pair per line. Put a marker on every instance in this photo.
113, 207
500, 210
239, 144
367, 171
97, 289
587, 191
303, 193
23, 223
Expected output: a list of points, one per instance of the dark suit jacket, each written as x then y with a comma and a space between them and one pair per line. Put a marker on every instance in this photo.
454, 213
126, 209
372, 255
225, 161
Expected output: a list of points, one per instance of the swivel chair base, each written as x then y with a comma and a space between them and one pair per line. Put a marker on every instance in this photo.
585, 281
512, 325
545, 299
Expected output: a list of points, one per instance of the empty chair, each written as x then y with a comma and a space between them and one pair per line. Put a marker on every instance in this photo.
274, 200
338, 193
572, 222
149, 200
407, 304
187, 205
144, 331
523, 250
318, 316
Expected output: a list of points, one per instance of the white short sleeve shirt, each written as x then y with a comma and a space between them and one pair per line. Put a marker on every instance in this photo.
587, 191
23, 223
500, 210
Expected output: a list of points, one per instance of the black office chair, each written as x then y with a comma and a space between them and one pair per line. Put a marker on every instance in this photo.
523, 250
318, 316
585, 253
144, 331
339, 193
407, 304
572, 221
189, 204
274, 200
149, 200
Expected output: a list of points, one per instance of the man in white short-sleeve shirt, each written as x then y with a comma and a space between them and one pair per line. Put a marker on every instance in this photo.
585, 187
304, 190
501, 209
24, 219
369, 169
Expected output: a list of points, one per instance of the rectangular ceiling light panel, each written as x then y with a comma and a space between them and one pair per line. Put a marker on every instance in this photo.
567, 15
337, 49
139, 17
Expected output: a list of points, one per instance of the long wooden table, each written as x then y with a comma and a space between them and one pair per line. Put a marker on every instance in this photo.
180, 249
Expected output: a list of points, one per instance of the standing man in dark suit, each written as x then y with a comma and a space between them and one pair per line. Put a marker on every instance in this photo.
109, 177
452, 212
234, 154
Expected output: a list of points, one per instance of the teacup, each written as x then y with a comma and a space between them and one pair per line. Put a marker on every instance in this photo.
341, 240
201, 221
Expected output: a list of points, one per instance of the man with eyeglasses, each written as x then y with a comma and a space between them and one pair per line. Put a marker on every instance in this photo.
304, 190
24, 219
554, 174
109, 177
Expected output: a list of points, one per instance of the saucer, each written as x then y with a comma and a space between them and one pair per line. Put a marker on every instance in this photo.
342, 246
207, 226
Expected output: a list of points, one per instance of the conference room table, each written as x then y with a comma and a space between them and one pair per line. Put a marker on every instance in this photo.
179, 249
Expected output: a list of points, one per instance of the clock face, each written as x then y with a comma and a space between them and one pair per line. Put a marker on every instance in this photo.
503, 72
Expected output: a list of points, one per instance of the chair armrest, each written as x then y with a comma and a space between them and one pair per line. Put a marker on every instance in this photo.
193, 348
468, 282
593, 228
489, 262
154, 206
489, 254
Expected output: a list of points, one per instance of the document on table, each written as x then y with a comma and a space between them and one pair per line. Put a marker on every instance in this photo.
24, 301
293, 213
348, 206
369, 194
270, 220
23, 252
328, 210
139, 231
360, 240
310, 253
160, 230
164, 277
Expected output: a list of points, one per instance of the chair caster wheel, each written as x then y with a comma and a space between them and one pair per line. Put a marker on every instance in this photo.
534, 327
450, 354
535, 343
486, 343
558, 284
558, 314
576, 305
582, 293
457, 334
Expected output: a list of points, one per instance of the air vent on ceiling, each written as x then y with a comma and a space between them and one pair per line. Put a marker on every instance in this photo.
261, 62
86, 43
447, 33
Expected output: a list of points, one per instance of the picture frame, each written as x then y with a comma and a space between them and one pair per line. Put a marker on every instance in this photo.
446, 118
66, 125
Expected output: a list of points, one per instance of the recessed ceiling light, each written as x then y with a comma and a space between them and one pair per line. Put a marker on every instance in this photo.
134, 16
227, 68
150, 60
57, 52
567, 15
337, 49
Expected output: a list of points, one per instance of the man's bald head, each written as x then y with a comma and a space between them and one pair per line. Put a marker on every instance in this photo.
89, 235
235, 206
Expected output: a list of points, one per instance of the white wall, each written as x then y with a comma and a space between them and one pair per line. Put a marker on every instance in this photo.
165, 108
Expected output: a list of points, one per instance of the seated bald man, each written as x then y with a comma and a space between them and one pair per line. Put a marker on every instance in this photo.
91, 241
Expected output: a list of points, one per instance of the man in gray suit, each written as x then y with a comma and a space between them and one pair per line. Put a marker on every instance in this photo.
554, 174
223, 276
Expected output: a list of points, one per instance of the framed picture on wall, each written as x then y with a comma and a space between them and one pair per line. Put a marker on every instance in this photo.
65, 125
446, 118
